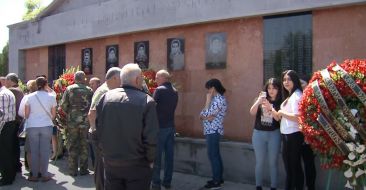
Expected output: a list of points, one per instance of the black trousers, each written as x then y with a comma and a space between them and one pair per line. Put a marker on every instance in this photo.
18, 166
98, 163
127, 178
309, 166
291, 153
8, 160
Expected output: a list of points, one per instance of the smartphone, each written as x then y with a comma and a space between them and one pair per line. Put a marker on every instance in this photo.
263, 94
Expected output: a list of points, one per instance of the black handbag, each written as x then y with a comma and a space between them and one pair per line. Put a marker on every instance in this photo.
22, 129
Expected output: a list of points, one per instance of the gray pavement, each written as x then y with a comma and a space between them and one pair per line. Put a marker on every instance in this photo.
61, 181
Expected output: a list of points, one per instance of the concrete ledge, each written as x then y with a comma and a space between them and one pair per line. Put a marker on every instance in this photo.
239, 162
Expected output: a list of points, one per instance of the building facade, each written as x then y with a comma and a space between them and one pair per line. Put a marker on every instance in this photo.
259, 39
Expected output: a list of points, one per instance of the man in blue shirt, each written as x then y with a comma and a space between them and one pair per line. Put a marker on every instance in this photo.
166, 97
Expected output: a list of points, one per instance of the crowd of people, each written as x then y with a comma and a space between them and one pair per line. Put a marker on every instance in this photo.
126, 131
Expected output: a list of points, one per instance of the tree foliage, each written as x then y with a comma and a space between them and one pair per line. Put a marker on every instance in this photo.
4, 60
33, 9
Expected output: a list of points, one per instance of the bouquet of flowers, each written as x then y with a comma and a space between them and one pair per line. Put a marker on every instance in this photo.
59, 86
149, 78
333, 118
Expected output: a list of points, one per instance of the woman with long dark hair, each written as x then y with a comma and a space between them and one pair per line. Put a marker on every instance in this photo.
212, 117
266, 134
292, 137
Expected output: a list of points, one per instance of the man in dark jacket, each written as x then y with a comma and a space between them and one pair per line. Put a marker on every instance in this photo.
127, 127
166, 97
12, 84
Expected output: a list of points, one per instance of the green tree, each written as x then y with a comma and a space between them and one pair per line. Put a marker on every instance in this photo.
33, 9
4, 60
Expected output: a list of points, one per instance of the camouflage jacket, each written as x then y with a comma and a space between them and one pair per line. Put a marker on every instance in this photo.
75, 103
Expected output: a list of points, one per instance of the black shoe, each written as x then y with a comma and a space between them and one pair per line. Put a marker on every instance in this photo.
213, 185
84, 172
211, 181
258, 188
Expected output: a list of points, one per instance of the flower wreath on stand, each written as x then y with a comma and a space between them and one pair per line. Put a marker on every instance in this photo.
333, 119
59, 86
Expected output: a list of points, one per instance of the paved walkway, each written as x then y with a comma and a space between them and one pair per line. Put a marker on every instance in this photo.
61, 181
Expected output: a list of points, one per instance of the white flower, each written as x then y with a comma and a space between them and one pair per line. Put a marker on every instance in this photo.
351, 156
358, 162
359, 172
348, 173
351, 147
360, 148
348, 185
350, 163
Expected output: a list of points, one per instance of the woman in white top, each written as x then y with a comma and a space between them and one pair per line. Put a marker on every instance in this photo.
292, 137
40, 110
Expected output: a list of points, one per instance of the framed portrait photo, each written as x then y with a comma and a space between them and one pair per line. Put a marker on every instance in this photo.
142, 54
87, 60
111, 55
216, 50
175, 54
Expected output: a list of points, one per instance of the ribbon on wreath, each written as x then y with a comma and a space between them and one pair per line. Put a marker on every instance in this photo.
333, 121
351, 83
341, 103
333, 135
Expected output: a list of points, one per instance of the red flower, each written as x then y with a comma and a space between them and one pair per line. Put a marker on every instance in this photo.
59, 86
149, 77
310, 109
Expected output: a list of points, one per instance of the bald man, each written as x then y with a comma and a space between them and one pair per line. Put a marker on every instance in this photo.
166, 97
94, 83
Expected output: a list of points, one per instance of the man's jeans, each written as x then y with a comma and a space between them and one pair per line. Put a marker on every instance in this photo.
213, 151
166, 145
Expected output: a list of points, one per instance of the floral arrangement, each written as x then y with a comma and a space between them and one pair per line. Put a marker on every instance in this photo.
59, 86
333, 118
149, 78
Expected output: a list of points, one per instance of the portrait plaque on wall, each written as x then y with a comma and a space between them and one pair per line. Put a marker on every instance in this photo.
87, 60
175, 54
142, 54
216, 50
111, 55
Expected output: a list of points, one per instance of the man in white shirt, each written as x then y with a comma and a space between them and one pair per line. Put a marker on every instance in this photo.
8, 130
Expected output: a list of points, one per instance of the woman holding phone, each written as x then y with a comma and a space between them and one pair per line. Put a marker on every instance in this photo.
292, 137
212, 117
266, 134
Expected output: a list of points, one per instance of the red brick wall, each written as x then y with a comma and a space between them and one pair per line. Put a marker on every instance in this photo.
338, 34
36, 62
242, 77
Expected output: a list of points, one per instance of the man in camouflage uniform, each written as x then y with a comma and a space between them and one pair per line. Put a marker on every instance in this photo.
76, 103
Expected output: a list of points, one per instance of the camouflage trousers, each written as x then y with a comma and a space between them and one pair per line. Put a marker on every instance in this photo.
77, 147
